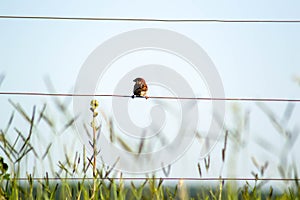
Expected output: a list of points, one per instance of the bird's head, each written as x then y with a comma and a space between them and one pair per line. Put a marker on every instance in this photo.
139, 80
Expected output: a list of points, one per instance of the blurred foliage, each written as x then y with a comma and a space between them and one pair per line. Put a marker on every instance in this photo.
73, 177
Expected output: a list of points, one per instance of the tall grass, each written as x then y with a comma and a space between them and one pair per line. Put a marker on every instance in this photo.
81, 176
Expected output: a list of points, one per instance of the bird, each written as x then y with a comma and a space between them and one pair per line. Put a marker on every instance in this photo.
140, 88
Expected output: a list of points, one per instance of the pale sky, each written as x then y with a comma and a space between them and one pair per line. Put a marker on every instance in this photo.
253, 60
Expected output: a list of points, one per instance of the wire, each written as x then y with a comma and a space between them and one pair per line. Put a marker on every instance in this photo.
169, 179
151, 97
152, 19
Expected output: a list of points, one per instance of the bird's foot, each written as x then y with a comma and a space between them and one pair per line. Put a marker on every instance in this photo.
133, 96
146, 97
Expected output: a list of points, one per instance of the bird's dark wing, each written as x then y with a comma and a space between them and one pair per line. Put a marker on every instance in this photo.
137, 89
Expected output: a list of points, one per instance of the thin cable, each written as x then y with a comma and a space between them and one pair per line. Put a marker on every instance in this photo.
168, 179
61, 94
151, 97
151, 19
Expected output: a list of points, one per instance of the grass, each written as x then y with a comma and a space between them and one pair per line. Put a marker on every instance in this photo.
81, 178
148, 189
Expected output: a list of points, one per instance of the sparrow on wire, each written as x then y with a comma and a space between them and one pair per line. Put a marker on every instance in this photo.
140, 88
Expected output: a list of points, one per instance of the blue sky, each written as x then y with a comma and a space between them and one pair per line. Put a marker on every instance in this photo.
253, 60
65, 44
171, 9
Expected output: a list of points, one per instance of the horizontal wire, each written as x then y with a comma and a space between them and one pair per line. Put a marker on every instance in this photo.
150, 97
167, 179
152, 19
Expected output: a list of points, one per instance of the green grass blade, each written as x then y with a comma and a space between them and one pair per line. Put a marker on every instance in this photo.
30, 130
